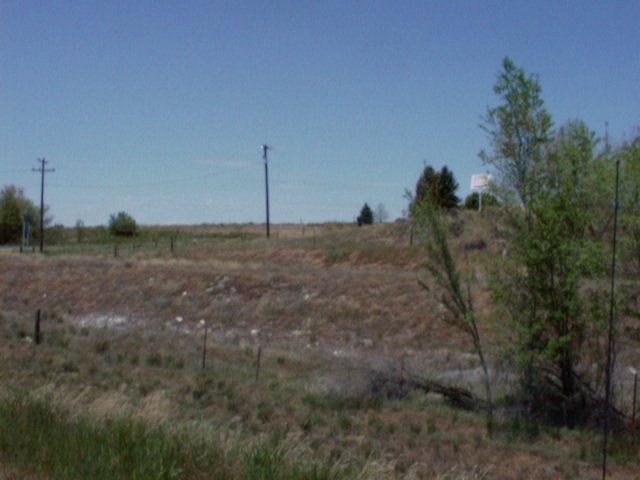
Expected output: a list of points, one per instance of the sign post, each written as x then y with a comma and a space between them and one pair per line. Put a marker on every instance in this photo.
480, 182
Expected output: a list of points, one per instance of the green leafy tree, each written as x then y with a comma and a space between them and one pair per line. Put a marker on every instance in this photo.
629, 156
366, 215
471, 201
519, 131
14, 205
122, 225
438, 188
556, 313
10, 217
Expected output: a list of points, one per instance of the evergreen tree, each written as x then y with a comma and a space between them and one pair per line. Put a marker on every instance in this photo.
447, 187
427, 185
439, 188
366, 215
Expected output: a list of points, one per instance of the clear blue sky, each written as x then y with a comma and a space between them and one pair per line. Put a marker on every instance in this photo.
158, 108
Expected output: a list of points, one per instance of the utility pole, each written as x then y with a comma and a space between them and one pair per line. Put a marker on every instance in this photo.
43, 169
611, 330
266, 147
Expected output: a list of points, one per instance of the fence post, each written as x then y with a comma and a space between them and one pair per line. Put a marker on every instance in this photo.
204, 346
36, 330
258, 362
115, 251
635, 396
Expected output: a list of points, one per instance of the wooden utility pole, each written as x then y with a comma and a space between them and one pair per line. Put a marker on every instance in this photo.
611, 329
266, 147
43, 169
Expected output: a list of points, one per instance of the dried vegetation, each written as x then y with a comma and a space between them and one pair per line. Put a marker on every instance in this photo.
354, 356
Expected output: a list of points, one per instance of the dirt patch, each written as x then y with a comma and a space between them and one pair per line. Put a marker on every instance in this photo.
103, 321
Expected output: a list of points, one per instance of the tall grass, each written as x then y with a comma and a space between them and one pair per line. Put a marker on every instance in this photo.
36, 437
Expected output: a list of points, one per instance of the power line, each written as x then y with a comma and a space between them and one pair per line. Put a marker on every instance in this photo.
144, 184
14, 170
43, 169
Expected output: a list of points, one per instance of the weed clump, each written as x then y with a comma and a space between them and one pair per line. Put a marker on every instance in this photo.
37, 437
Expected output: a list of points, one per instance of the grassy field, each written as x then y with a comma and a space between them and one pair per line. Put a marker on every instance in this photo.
317, 343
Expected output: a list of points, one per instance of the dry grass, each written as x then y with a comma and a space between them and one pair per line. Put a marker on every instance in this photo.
122, 336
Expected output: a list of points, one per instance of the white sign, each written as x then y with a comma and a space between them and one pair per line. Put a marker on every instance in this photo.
480, 181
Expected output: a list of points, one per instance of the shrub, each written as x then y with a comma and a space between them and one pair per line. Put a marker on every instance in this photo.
122, 225
10, 218
471, 202
14, 208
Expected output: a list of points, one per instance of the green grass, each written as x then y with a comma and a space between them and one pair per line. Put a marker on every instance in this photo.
266, 462
149, 241
145, 234
38, 438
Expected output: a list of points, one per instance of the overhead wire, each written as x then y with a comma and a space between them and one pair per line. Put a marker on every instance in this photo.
147, 183
15, 170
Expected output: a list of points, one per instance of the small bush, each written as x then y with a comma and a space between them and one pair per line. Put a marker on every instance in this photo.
122, 225
154, 359
264, 412
431, 426
101, 347
333, 402
345, 423
472, 201
69, 366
